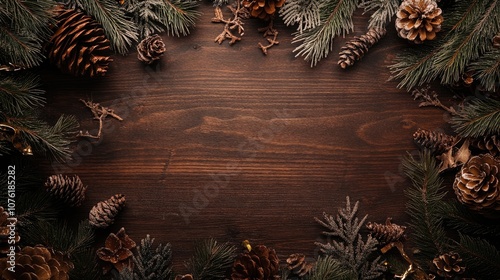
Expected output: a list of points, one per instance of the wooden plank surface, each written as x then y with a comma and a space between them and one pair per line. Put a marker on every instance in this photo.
221, 141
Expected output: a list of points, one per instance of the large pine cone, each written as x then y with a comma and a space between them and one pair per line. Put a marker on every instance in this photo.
477, 183
437, 142
79, 45
263, 9
103, 214
386, 233
448, 265
297, 265
37, 263
70, 190
418, 20
6, 227
260, 263
150, 49
490, 144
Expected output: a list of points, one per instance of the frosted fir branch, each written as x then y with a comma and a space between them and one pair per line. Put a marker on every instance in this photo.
382, 11
303, 13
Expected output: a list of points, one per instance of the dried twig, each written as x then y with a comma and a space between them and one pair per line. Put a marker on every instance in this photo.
100, 113
230, 24
269, 31
430, 98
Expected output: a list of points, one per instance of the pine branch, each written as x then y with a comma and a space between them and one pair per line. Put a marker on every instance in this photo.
487, 70
175, 17
305, 13
461, 219
24, 27
329, 268
423, 206
220, 2
317, 42
118, 27
86, 266
153, 263
211, 260
34, 206
349, 248
383, 11
480, 257
20, 93
479, 117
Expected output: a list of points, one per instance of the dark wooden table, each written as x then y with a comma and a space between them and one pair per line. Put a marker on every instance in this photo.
221, 141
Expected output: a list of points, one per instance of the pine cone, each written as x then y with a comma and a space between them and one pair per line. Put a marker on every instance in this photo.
263, 9
70, 190
297, 265
184, 277
103, 213
437, 142
37, 263
150, 49
477, 183
117, 251
386, 233
79, 45
448, 265
496, 41
355, 49
259, 264
488, 143
6, 227
418, 20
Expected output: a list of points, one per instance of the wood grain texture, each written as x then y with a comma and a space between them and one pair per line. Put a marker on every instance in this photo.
221, 141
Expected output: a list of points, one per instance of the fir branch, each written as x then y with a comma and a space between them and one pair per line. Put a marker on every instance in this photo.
175, 17
423, 206
152, 263
317, 42
480, 257
479, 117
20, 93
24, 27
34, 206
304, 13
460, 218
383, 11
487, 70
350, 249
60, 236
118, 27
211, 260
329, 268
86, 266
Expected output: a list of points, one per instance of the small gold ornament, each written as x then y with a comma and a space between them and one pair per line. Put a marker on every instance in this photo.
12, 135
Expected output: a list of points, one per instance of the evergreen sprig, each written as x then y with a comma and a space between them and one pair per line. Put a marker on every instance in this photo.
152, 263
348, 246
336, 19
211, 260
479, 117
24, 27
481, 257
424, 205
469, 27
174, 17
304, 13
382, 11
86, 265
486, 69
19, 93
118, 27
328, 267
460, 218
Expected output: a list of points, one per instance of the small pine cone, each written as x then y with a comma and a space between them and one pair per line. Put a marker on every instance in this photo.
117, 251
437, 142
37, 263
69, 190
297, 265
355, 49
260, 263
78, 45
150, 49
418, 20
496, 41
477, 184
488, 143
5, 230
386, 233
184, 277
448, 265
263, 9
103, 213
